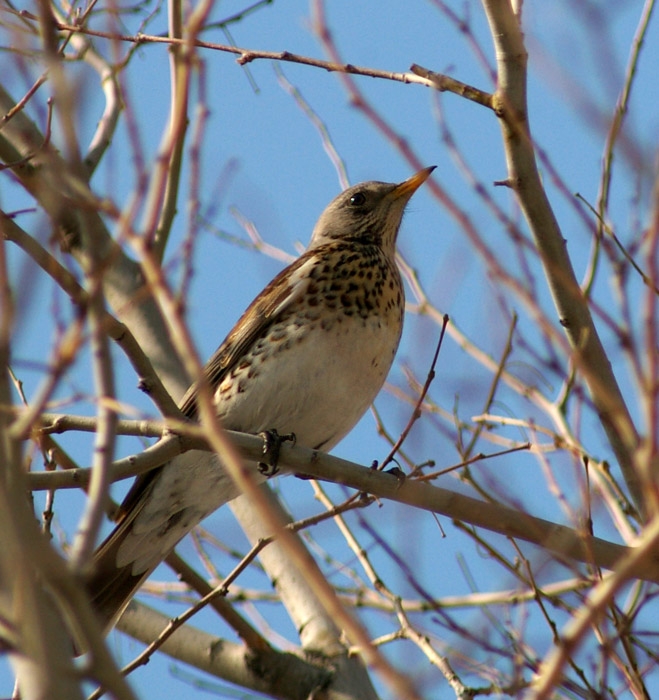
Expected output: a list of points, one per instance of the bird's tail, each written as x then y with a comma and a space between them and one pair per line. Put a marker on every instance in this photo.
111, 587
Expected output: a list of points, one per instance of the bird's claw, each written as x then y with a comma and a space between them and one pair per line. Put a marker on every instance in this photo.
394, 471
272, 442
398, 473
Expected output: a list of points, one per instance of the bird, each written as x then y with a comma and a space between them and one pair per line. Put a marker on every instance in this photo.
307, 358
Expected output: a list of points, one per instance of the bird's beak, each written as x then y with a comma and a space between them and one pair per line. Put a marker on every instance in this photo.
409, 187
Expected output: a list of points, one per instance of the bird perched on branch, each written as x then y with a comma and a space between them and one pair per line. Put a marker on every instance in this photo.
308, 357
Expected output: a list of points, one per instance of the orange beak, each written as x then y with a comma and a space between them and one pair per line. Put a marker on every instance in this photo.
410, 186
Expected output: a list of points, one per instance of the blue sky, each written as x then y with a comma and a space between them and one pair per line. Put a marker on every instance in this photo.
263, 157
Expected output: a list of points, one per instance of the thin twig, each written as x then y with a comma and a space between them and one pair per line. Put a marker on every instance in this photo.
416, 413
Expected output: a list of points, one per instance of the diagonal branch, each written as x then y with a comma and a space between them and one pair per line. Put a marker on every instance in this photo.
574, 315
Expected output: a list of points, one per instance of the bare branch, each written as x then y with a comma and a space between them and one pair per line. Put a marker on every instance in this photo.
574, 315
560, 540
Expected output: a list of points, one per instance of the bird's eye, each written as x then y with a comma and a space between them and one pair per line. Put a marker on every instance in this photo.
357, 199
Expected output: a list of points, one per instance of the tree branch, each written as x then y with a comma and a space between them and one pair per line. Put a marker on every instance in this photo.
563, 541
574, 315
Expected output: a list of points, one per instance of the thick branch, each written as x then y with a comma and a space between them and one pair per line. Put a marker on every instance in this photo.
523, 177
278, 675
563, 541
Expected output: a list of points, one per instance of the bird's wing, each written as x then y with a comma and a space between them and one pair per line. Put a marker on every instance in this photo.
288, 286
110, 585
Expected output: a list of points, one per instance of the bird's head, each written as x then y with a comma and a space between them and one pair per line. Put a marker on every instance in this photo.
370, 212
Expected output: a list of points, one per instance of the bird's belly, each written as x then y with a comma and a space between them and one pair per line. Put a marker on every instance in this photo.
315, 382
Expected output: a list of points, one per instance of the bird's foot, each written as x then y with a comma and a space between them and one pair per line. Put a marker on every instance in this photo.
398, 473
272, 442
394, 471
